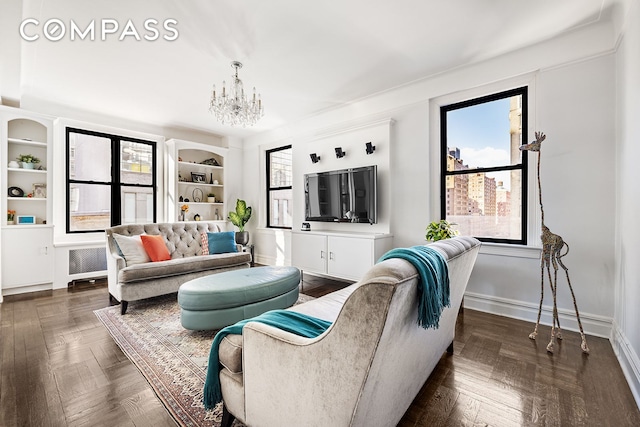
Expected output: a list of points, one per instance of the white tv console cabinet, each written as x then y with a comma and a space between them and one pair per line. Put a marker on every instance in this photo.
341, 255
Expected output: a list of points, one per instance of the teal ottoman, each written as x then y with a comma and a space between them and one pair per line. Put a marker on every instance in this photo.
222, 299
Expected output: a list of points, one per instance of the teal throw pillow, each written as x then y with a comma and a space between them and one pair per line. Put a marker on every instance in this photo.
222, 242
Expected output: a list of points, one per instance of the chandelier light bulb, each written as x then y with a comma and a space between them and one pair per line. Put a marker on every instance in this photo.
236, 109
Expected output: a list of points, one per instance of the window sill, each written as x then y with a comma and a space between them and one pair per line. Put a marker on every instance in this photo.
518, 251
271, 229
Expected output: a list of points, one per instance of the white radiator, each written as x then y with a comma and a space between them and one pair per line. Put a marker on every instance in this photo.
87, 263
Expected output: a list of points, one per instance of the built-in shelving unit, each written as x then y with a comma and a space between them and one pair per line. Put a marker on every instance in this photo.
27, 240
194, 171
26, 179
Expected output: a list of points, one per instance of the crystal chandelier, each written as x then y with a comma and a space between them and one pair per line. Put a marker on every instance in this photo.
232, 107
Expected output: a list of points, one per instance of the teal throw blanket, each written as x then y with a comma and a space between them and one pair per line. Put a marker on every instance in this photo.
290, 321
433, 285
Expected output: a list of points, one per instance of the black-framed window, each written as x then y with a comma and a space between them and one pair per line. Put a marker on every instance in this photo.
279, 193
483, 172
111, 180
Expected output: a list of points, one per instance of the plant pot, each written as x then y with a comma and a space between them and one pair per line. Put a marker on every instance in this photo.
211, 199
242, 238
26, 165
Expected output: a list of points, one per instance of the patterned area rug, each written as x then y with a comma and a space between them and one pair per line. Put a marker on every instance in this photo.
171, 358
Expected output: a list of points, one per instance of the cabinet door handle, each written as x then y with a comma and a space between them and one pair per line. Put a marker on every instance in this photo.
331, 255
321, 254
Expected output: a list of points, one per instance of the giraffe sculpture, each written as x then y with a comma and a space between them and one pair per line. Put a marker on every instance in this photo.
552, 247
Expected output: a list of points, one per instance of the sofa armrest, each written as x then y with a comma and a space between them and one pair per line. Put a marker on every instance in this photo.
115, 262
277, 364
119, 261
279, 335
296, 373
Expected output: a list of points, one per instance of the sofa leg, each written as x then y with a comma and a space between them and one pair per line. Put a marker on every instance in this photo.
123, 307
227, 418
450, 348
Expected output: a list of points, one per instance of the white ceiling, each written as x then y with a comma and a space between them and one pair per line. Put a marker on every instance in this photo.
303, 56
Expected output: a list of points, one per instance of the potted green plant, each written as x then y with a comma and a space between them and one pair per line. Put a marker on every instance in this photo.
239, 218
438, 230
28, 160
211, 198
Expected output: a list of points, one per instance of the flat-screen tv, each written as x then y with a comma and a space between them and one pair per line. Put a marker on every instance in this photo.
346, 195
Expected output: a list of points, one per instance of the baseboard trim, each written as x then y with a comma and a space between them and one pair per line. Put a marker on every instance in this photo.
26, 289
628, 359
269, 260
596, 325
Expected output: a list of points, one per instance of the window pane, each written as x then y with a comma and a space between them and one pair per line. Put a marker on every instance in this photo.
89, 158
137, 205
485, 135
89, 207
280, 164
280, 205
102, 193
486, 204
136, 163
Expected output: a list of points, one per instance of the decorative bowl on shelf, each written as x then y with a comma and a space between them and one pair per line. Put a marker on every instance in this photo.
14, 164
15, 192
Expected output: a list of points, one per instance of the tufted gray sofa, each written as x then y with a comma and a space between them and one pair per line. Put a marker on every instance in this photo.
141, 281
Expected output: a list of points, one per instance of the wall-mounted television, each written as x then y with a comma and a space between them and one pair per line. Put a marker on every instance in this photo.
346, 195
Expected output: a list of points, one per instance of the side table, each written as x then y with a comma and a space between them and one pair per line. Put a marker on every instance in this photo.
250, 249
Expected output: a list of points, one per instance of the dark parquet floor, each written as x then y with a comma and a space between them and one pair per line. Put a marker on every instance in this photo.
59, 366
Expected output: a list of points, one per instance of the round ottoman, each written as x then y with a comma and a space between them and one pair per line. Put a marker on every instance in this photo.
222, 299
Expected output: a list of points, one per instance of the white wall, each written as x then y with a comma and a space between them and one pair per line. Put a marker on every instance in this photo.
575, 109
575, 97
352, 140
233, 168
10, 60
626, 331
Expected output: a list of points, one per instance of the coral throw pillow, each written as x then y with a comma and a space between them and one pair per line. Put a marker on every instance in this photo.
155, 248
